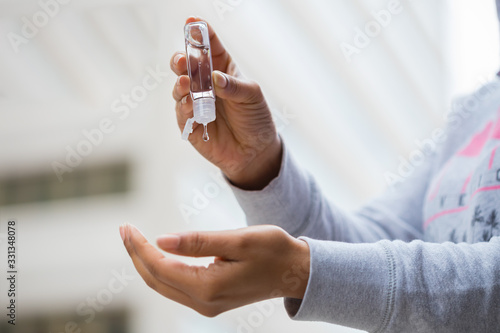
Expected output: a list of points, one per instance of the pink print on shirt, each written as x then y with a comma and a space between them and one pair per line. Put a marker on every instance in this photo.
473, 149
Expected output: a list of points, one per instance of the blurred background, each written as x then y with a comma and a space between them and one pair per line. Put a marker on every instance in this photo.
89, 140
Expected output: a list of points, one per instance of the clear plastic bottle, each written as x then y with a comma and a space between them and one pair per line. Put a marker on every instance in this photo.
199, 64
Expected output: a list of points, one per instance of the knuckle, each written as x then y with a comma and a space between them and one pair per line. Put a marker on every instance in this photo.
234, 87
254, 91
266, 233
196, 243
254, 86
276, 232
281, 237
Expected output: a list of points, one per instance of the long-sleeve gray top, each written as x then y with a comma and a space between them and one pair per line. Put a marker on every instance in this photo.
422, 257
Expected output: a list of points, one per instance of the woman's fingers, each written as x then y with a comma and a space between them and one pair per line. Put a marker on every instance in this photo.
223, 244
197, 287
178, 63
166, 270
184, 111
184, 104
181, 87
236, 89
195, 302
160, 286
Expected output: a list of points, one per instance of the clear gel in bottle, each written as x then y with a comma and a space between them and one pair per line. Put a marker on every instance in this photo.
199, 65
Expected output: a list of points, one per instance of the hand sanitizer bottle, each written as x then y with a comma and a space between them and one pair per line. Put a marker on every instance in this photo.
199, 65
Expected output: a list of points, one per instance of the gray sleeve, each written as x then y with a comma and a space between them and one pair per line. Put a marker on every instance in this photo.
394, 286
293, 201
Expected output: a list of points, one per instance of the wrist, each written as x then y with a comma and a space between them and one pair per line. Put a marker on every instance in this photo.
296, 277
261, 170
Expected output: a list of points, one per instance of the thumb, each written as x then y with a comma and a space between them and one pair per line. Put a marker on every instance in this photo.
200, 244
238, 90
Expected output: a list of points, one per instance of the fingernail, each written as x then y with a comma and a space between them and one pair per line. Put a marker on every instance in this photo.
184, 99
220, 79
122, 232
168, 242
177, 58
178, 82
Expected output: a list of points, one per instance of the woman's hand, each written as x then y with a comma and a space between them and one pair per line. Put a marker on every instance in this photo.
252, 264
243, 140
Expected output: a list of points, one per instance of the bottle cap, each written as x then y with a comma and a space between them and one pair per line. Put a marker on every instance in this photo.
204, 110
203, 113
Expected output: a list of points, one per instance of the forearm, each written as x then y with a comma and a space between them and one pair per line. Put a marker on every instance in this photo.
287, 201
403, 287
293, 201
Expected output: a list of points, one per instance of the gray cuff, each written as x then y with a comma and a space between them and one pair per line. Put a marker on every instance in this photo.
351, 285
285, 201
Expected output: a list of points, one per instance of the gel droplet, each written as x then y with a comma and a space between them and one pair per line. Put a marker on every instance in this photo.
205, 133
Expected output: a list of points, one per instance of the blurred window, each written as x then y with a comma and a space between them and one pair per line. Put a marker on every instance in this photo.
82, 182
